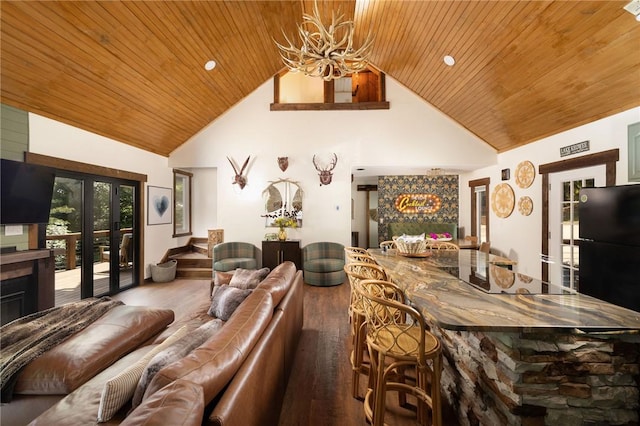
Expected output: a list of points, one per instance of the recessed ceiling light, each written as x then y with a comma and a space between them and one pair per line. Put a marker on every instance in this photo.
210, 65
449, 60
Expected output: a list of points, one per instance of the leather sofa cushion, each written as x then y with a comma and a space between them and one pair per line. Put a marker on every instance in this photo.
81, 406
70, 364
259, 383
213, 364
279, 281
179, 403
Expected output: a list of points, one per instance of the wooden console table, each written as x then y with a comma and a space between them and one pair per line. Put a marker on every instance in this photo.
276, 252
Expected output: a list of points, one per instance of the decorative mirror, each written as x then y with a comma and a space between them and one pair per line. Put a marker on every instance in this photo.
283, 198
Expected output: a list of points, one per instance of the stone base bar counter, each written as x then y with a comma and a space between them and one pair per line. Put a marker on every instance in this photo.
519, 351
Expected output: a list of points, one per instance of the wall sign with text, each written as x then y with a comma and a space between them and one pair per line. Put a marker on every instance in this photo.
417, 203
574, 149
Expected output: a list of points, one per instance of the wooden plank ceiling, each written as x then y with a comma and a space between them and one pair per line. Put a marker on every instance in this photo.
133, 71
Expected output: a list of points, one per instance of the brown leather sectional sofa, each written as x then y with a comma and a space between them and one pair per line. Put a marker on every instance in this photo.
237, 377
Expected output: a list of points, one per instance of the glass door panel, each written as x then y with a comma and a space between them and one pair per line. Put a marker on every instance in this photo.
480, 194
104, 248
564, 254
64, 236
126, 276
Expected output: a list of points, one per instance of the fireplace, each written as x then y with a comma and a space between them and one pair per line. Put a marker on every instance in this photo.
17, 298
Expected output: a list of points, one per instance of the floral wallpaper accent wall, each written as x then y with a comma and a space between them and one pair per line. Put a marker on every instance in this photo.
444, 187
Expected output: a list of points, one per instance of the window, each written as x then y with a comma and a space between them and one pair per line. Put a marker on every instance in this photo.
361, 91
182, 203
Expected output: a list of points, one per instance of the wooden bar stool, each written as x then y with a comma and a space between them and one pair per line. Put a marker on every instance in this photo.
397, 340
443, 245
356, 272
355, 250
361, 257
388, 245
357, 254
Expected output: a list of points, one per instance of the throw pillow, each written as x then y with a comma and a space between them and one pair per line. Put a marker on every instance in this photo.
219, 278
225, 301
248, 278
173, 353
119, 389
222, 278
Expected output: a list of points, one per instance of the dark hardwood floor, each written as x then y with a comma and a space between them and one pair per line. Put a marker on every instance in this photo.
319, 389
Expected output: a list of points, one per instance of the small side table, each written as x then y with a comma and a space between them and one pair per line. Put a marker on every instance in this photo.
276, 252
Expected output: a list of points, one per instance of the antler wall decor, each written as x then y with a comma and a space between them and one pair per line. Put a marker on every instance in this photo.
240, 179
325, 173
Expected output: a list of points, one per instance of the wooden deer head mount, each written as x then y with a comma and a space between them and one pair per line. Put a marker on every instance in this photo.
240, 179
325, 173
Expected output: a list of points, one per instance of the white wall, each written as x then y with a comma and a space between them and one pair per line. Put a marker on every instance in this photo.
410, 134
204, 194
55, 139
518, 236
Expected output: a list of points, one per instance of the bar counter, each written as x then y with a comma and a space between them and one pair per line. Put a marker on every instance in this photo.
519, 351
470, 290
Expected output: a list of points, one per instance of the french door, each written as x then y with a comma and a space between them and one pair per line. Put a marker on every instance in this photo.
93, 230
564, 221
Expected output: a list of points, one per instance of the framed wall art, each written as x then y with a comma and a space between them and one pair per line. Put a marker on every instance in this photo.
159, 205
506, 174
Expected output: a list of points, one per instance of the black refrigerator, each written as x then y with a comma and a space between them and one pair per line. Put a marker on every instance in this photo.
610, 244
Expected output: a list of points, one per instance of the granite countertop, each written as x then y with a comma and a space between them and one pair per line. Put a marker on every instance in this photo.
464, 290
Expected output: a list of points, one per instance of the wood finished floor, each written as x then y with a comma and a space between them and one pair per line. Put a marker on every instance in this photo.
319, 389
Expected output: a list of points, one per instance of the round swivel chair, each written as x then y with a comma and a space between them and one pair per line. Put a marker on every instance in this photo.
323, 264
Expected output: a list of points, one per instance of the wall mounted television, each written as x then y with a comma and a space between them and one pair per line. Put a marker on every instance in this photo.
26, 192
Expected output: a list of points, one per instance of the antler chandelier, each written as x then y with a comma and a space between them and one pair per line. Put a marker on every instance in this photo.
326, 53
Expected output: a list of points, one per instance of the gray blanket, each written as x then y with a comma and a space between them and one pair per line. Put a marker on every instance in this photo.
29, 337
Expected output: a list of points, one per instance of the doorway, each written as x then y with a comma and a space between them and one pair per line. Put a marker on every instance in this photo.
93, 230
608, 160
564, 221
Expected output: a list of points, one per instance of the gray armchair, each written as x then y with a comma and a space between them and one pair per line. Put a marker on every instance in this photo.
233, 255
323, 264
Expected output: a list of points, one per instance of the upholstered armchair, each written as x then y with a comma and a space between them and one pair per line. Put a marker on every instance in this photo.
323, 264
233, 255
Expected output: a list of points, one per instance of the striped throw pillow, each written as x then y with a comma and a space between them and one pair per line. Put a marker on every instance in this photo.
119, 389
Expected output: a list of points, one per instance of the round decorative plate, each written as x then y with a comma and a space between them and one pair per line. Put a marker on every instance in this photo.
525, 205
524, 278
503, 277
502, 200
525, 173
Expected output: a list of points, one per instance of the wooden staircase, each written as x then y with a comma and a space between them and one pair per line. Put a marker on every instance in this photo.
192, 259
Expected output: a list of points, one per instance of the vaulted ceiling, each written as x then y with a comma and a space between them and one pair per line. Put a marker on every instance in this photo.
134, 71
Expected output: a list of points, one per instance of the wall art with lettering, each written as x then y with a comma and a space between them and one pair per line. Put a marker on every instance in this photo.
417, 198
